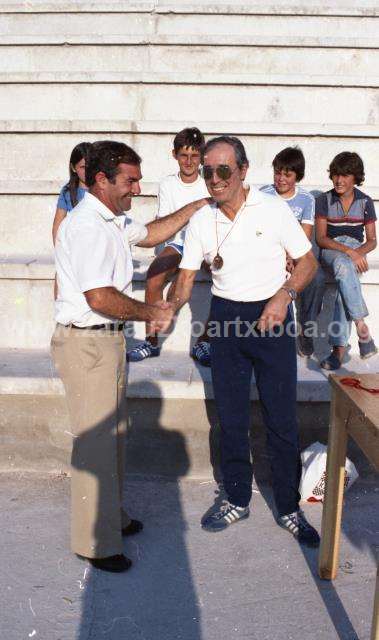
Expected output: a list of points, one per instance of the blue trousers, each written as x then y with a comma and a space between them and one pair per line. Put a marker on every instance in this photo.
349, 302
235, 353
310, 300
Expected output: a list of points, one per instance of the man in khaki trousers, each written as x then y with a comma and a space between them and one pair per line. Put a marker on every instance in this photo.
94, 273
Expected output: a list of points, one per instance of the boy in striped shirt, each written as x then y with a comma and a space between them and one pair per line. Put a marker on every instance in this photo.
345, 231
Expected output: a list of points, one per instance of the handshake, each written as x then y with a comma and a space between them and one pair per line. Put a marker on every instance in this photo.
161, 316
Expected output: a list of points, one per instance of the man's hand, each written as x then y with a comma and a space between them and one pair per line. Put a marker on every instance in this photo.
162, 316
360, 261
275, 311
162, 229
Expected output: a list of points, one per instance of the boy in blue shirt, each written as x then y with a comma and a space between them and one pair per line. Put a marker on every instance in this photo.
289, 168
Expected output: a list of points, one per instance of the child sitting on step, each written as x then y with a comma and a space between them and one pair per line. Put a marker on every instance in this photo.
345, 231
175, 191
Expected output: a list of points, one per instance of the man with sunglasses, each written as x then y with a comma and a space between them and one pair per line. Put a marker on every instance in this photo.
244, 236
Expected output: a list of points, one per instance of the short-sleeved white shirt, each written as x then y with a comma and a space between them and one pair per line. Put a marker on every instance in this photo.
254, 253
174, 194
92, 250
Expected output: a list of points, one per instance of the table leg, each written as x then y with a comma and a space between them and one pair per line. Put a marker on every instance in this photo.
375, 615
335, 475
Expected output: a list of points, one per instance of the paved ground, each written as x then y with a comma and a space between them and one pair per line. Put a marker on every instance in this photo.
252, 581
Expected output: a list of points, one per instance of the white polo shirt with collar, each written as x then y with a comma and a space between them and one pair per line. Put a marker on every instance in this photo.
254, 250
92, 250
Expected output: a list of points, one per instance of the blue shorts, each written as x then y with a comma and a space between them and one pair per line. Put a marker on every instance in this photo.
177, 247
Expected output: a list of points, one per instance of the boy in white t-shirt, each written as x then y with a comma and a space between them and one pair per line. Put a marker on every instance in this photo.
175, 191
289, 169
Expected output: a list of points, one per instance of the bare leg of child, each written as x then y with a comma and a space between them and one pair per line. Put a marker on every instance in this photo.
163, 266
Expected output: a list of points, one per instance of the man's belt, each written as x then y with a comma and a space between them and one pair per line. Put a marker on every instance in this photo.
95, 327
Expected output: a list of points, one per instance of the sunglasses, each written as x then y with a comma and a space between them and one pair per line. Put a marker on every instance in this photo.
223, 171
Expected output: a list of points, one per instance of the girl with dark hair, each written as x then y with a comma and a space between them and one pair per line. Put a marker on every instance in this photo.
74, 190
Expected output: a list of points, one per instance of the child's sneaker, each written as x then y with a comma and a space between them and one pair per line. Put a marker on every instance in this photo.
367, 349
142, 351
305, 347
201, 351
331, 363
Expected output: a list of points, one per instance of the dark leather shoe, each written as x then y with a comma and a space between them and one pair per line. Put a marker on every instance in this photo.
114, 564
135, 526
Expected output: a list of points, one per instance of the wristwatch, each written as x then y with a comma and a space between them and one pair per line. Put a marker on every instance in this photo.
291, 292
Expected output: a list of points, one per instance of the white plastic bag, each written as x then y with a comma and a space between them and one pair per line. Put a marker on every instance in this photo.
312, 484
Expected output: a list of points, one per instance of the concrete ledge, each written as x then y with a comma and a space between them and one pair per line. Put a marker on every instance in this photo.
148, 189
37, 434
193, 39
184, 77
206, 65
42, 268
27, 268
53, 187
209, 128
174, 375
250, 7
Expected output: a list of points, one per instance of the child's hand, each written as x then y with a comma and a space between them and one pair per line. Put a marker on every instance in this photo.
360, 262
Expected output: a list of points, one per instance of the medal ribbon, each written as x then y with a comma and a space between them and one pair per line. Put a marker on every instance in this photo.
217, 261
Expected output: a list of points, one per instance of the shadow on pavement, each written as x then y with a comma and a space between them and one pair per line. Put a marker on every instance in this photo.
156, 598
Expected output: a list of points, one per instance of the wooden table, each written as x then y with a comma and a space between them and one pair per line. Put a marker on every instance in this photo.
355, 413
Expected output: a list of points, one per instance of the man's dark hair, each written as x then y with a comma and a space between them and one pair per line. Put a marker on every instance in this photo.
106, 156
290, 159
239, 149
348, 163
189, 137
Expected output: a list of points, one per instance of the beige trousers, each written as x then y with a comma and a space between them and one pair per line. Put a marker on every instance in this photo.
91, 365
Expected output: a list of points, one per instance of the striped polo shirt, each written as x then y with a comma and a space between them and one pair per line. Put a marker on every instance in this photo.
361, 212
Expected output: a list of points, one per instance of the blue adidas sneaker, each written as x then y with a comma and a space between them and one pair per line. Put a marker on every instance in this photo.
201, 351
143, 350
297, 524
225, 515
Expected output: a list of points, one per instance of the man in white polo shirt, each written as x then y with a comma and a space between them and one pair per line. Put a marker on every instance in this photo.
94, 273
244, 237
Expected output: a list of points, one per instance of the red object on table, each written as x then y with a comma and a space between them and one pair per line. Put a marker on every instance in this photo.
356, 383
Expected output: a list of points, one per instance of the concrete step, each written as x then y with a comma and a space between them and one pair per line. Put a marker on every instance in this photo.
29, 176
32, 267
161, 64
210, 128
27, 211
170, 407
280, 7
213, 104
26, 221
27, 320
172, 376
189, 28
